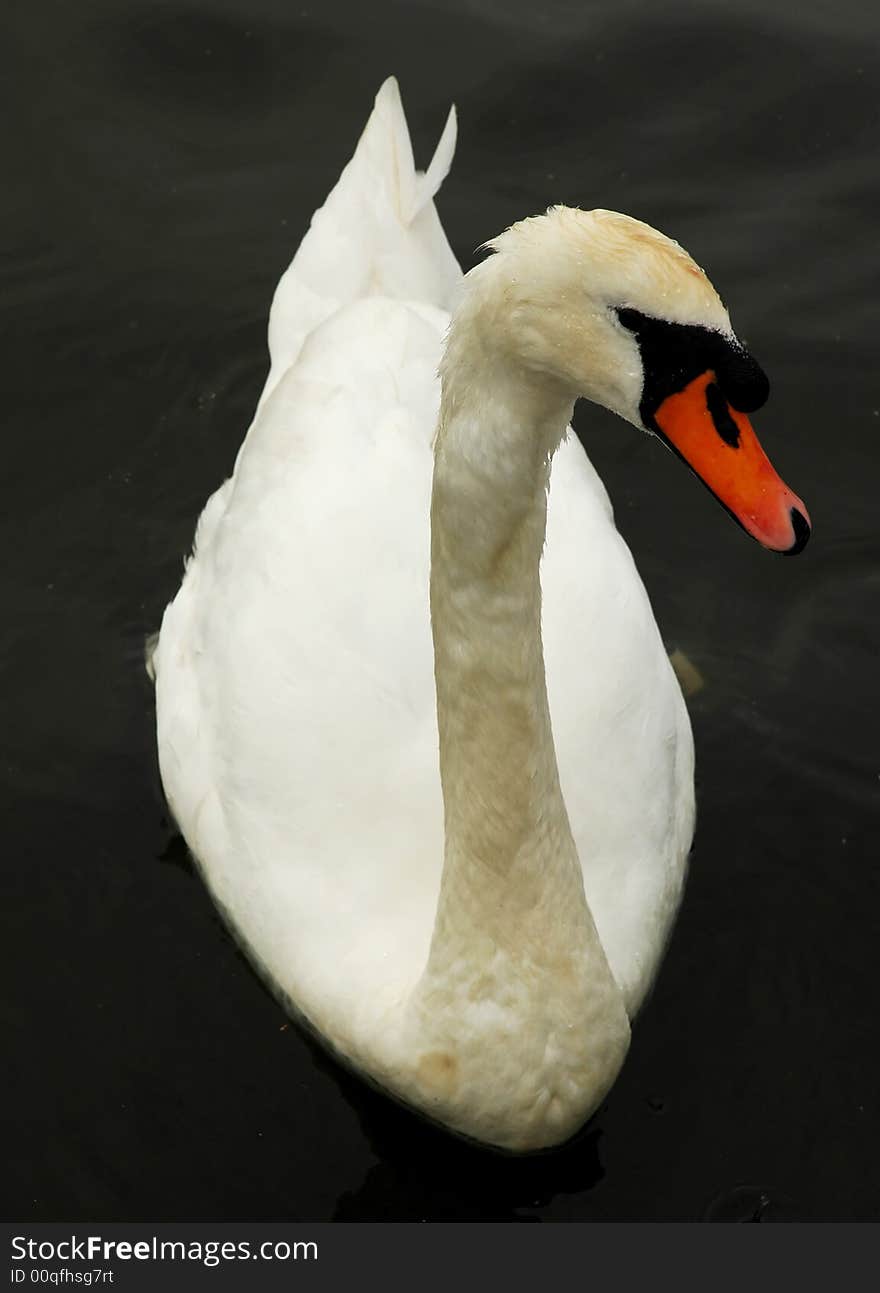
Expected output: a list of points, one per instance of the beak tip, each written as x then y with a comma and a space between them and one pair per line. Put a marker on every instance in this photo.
802, 531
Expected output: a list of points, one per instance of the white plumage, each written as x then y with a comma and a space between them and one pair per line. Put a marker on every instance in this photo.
297, 714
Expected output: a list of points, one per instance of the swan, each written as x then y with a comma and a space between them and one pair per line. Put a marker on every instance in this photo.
415, 718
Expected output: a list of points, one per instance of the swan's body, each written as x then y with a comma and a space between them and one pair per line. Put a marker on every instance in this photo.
297, 712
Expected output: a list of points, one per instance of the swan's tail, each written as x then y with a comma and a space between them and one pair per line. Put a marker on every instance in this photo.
377, 234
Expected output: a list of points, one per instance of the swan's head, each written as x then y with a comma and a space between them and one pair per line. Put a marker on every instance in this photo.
610, 309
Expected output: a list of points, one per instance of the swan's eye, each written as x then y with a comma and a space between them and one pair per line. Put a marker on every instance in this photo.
630, 318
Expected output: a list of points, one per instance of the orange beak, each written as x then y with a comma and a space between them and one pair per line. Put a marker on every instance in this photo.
718, 443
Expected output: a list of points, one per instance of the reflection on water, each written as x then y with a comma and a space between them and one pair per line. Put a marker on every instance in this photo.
751, 1203
164, 162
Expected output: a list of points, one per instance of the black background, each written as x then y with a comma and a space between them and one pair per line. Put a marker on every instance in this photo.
161, 162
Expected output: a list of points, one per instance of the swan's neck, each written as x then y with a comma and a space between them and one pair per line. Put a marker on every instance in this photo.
508, 842
515, 957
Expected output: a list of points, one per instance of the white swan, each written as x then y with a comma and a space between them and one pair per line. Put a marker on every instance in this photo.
441, 940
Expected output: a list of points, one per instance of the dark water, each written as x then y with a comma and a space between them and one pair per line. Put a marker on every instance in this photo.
161, 163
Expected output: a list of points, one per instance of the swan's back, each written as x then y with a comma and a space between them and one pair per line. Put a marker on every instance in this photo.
283, 707
294, 670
